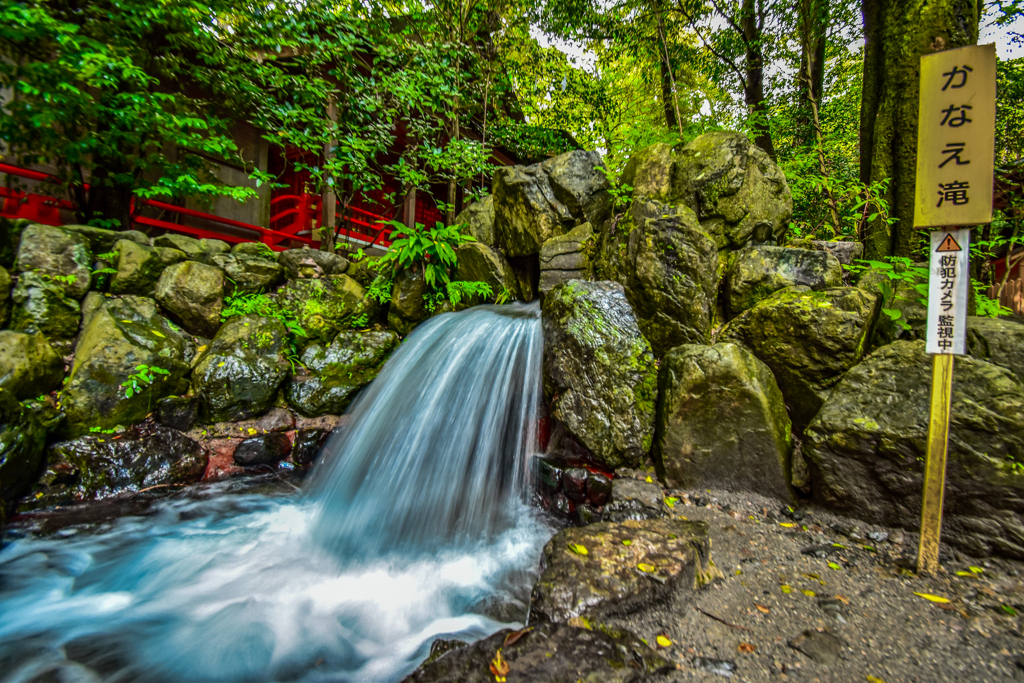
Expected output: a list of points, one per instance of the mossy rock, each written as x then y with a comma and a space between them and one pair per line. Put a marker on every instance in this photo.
808, 339
578, 181
101, 240
478, 218
323, 306
40, 305
121, 335
479, 263
407, 308
257, 249
671, 276
912, 319
526, 211
338, 371
60, 256
330, 264
139, 267
193, 294
649, 173
721, 422
248, 274
567, 257
22, 443
5, 296
238, 374
10, 238
599, 371
29, 367
867, 446
759, 271
999, 341
190, 246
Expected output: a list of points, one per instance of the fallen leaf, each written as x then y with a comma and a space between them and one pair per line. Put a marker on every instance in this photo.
932, 598
835, 566
875, 679
746, 648
813, 576
762, 608
645, 567
977, 570
1009, 610
580, 622
843, 599
511, 638
578, 549
738, 572
809, 593
649, 480
788, 525
499, 667
786, 589
626, 541
964, 574
663, 641
869, 549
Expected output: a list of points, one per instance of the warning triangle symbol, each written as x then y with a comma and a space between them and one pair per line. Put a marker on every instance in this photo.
948, 244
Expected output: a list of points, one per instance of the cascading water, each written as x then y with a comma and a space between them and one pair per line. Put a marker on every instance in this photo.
414, 525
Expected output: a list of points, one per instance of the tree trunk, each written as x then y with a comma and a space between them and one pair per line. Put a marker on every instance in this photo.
666, 95
753, 85
897, 33
813, 27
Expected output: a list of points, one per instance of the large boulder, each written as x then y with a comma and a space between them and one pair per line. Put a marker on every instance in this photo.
5, 296
1000, 341
479, 263
532, 204
599, 371
40, 305
29, 366
567, 257
100, 239
57, 255
649, 173
589, 571
191, 247
738, 193
407, 308
478, 218
248, 274
322, 306
808, 340
866, 448
139, 267
330, 264
22, 443
193, 294
98, 466
237, 376
257, 249
760, 271
721, 422
123, 334
548, 653
337, 372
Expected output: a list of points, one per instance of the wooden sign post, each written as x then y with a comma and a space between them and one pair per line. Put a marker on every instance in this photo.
955, 149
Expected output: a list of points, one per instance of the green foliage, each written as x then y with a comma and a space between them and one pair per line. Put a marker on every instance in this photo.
621, 193
460, 290
898, 270
257, 303
429, 249
380, 289
142, 378
1010, 110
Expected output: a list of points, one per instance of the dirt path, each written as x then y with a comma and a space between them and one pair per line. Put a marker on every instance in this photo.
852, 611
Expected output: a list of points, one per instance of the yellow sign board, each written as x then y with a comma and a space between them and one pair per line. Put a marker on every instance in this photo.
956, 137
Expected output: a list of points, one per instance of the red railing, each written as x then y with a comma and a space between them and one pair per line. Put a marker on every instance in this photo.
294, 220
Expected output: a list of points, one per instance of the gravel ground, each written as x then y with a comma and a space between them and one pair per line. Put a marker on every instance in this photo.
847, 613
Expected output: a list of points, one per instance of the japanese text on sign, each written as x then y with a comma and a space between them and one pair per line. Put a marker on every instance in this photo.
955, 145
947, 291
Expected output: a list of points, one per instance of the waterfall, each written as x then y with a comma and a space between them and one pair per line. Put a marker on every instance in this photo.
414, 525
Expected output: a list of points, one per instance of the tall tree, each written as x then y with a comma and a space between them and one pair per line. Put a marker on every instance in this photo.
897, 33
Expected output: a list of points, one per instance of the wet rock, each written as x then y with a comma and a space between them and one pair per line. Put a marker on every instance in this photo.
719, 667
760, 271
292, 261
248, 274
866, 448
123, 334
649, 173
999, 341
58, 256
265, 449
323, 307
599, 370
177, 412
239, 374
588, 571
407, 306
100, 466
29, 366
193, 294
480, 263
5, 296
738, 193
808, 340
10, 238
845, 252
567, 257
599, 489
337, 372
633, 499
549, 653
276, 419
100, 239
478, 217
307, 445
257, 249
574, 484
721, 422
139, 267
212, 246
532, 204
22, 443
191, 247
822, 647
40, 306
670, 274
132, 236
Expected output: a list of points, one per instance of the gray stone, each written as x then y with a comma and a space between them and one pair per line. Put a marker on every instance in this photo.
100, 239
1000, 341
649, 173
407, 306
59, 256
721, 422
331, 264
760, 271
248, 274
257, 249
191, 247
133, 236
567, 257
193, 294
40, 305
599, 370
29, 367
845, 252
323, 307
479, 219
479, 263
139, 267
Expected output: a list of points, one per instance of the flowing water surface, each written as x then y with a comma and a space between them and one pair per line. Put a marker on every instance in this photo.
413, 525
